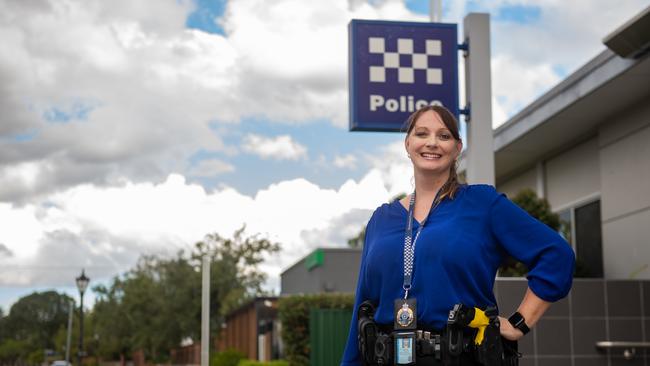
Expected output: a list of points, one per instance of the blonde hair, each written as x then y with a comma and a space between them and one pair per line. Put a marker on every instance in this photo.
452, 184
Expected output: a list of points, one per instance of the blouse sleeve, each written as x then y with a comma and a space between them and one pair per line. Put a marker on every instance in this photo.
351, 356
549, 258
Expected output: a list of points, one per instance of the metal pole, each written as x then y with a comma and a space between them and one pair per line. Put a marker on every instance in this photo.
67, 342
478, 88
205, 313
81, 330
435, 11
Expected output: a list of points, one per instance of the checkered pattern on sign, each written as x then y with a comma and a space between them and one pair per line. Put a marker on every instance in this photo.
405, 73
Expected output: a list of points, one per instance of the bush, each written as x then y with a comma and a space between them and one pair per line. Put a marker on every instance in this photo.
261, 363
228, 357
293, 312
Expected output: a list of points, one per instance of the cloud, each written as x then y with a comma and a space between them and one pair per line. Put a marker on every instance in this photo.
560, 41
280, 147
393, 167
527, 79
105, 229
210, 168
140, 93
4, 251
348, 161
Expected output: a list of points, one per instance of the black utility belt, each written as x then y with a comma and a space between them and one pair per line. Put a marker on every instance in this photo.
470, 334
406, 347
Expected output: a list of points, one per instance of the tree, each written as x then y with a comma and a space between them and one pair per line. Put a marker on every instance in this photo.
158, 303
538, 208
37, 317
11, 351
31, 326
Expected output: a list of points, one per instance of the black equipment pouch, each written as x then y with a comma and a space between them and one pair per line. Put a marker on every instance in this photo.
511, 353
367, 332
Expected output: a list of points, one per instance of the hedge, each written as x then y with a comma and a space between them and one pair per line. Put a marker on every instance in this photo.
293, 312
230, 357
262, 363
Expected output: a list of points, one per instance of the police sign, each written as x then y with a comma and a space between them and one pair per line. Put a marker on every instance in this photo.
398, 67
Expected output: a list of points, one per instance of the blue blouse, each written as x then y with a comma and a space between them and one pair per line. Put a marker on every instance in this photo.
457, 255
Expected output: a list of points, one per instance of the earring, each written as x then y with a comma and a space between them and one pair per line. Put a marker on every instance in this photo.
408, 155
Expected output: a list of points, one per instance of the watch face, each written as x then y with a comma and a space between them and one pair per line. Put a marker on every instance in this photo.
516, 319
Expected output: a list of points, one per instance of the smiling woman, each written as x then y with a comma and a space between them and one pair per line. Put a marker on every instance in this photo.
463, 233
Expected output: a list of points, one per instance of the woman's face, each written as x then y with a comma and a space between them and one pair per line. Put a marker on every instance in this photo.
431, 145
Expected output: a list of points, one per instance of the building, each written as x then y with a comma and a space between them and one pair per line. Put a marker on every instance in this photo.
585, 147
324, 270
253, 330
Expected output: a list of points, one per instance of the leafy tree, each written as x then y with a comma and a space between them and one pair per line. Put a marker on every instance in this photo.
12, 350
158, 303
358, 240
37, 317
538, 208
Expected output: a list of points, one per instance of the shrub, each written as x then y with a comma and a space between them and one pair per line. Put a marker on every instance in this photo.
293, 312
262, 363
230, 357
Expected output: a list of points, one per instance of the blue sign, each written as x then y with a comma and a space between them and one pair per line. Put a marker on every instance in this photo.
397, 68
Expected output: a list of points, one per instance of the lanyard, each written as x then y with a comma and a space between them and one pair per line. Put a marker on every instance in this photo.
409, 241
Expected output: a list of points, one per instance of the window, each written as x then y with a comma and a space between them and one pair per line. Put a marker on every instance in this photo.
581, 226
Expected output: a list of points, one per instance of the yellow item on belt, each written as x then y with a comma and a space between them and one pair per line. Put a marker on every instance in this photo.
479, 322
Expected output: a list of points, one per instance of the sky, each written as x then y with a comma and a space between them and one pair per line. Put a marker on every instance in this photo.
138, 127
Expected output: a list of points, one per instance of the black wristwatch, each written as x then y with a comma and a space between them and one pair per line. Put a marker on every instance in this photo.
518, 321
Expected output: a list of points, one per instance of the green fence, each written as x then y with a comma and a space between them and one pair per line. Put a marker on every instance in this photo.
328, 332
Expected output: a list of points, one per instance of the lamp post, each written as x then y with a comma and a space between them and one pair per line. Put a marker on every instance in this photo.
82, 284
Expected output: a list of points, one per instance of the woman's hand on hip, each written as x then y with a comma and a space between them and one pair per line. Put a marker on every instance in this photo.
508, 331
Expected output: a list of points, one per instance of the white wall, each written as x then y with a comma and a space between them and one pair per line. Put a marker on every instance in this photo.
527, 179
625, 205
573, 175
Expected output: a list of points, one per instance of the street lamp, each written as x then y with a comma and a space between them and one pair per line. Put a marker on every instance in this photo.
82, 284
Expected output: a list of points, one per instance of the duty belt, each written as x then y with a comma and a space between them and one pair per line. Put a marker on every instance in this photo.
457, 342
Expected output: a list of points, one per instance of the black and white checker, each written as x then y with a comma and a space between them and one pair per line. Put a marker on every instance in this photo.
405, 71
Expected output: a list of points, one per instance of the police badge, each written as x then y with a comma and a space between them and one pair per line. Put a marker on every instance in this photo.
405, 314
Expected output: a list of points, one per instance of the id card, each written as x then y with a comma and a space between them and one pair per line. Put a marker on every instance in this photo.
405, 348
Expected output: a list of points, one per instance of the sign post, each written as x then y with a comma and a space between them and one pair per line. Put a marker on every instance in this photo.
479, 154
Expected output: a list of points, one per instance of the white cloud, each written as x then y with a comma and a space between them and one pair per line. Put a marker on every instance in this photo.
280, 147
106, 229
155, 89
527, 56
517, 84
348, 161
210, 168
394, 168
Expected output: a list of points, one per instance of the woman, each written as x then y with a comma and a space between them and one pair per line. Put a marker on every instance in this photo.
459, 236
